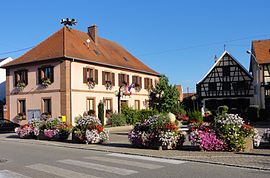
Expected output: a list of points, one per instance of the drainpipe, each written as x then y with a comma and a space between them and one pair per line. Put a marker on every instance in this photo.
70, 90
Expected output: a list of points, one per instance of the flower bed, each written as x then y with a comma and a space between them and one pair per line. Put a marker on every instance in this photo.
158, 131
51, 129
227, 132
88, 129
26, 131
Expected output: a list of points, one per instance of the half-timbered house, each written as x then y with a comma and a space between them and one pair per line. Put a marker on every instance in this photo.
260, 69
226, 83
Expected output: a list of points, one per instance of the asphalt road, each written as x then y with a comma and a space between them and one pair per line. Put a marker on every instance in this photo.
37, 161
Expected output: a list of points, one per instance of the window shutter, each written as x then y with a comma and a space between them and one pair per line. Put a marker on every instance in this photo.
133, 79
113, 79
127, 79
52, 74
15, 78
103, 78
96, 76
119, 80
145, 84
84, 75
39, 76
151, 83
140, 81
26, 76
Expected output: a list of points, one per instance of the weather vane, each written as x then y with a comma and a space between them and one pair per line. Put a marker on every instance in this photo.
69, 22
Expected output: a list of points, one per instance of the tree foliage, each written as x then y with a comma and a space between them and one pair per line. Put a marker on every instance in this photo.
164, 96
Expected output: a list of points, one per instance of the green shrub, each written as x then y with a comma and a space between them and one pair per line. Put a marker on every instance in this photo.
144, 114
101, 112
132, 115
179, 109
222, 109
195, 115
117, 119
253, 113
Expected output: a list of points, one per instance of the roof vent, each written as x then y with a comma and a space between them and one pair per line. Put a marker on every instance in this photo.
126, 59
97, 52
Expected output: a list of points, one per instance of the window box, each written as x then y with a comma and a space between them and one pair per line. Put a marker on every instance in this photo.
45, 82
108, 79
46, 76
21, 116
20, 85
91, 83
108, 85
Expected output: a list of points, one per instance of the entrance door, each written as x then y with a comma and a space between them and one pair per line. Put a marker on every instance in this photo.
124, 103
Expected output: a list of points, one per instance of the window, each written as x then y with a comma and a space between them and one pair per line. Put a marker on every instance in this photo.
212, 86
137, 105
226, 86
148, 83
90, 75
20, 77
226, 71
108, 78
91, 106
47, 106
123, 79
45, 73
108, 105
137, 81
22, 106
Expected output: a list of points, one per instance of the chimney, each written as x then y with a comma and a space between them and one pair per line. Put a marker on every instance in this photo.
92, 32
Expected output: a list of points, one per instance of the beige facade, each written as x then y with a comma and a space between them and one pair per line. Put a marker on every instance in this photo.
33, 93
68, 93
81, 91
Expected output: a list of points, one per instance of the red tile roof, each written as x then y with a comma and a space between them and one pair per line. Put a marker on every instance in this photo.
71, 43
261, 49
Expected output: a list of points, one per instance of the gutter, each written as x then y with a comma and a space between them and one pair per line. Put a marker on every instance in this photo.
110, 65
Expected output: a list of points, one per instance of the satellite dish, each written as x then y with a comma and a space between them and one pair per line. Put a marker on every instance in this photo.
88, 40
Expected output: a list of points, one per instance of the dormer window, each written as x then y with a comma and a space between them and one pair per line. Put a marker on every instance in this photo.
46, 75
21, 78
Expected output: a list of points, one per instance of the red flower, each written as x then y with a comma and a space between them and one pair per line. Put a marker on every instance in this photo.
99, 128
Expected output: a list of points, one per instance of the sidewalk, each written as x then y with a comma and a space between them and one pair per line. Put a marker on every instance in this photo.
255, 159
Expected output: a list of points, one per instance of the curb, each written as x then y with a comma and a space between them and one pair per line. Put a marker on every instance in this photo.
138, 154
120, 128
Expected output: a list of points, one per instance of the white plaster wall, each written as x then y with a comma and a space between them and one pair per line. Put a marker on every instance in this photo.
80, 91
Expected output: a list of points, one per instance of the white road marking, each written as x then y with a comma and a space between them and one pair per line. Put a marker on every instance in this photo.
10, 174
100, 167
161, 160
59, 171
126, 162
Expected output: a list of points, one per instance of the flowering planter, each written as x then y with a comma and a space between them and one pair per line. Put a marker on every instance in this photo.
78, 138
248, 145
41, 136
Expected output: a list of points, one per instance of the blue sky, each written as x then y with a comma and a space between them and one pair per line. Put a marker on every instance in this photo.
178, 38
